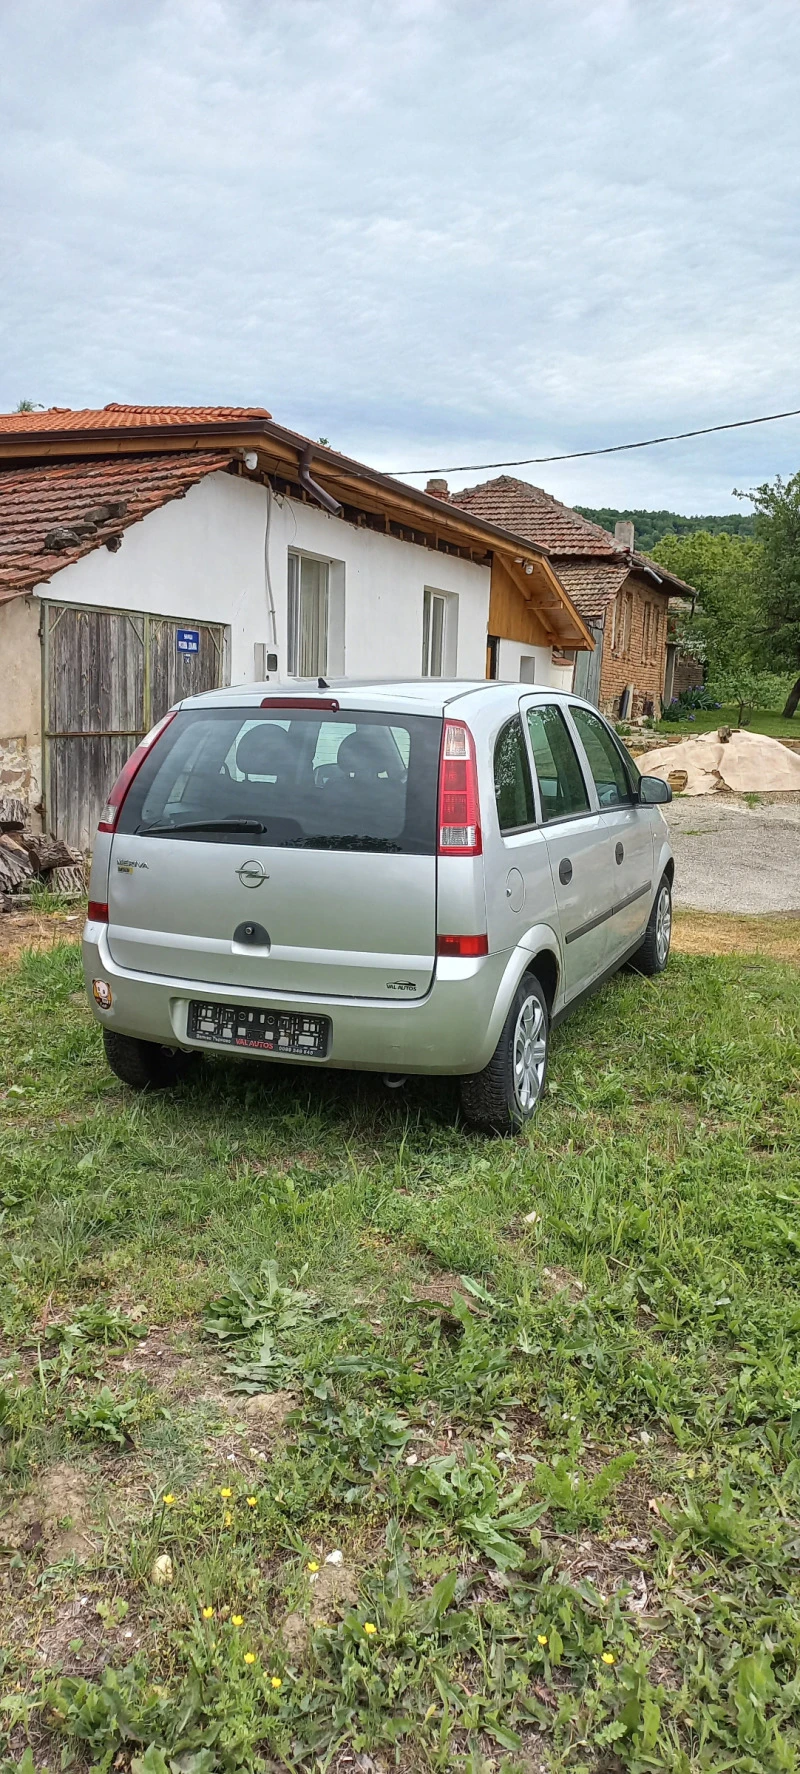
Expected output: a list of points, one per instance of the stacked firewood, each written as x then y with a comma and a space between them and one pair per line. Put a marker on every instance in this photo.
27, 856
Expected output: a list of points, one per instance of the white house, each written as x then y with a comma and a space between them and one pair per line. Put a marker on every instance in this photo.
149, 553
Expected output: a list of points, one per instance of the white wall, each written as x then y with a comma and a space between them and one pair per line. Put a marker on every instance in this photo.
202, 558
508, 662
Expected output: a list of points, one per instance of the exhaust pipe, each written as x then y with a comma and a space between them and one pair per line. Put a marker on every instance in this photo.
393, 1081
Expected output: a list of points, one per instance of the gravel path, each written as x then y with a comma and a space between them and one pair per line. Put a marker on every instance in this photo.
733, 858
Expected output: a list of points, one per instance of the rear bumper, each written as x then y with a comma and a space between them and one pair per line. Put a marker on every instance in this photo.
453, 1029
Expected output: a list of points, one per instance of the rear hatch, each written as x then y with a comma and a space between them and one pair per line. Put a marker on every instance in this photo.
285, 847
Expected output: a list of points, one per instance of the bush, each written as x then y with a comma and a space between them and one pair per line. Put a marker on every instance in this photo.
682, 707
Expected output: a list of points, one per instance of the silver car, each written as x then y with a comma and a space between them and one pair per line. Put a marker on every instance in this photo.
401, 878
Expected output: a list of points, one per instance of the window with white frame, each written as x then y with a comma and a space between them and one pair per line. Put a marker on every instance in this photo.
439, 633
307, 654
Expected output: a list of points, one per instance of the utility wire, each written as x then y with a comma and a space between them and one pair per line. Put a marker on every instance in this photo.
608, 450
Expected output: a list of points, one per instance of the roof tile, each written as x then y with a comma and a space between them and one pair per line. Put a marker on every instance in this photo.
531, 512
36, 501
591, 584
117, 416
534, 514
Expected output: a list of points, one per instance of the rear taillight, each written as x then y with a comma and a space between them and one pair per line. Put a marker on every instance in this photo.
97, 912
113, 806
462, 947
459, 809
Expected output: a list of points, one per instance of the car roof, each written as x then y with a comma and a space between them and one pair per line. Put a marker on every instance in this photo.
411, 695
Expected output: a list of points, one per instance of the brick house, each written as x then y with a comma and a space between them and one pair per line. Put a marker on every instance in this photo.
621, 595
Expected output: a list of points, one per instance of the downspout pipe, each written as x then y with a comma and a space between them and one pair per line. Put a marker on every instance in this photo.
304, 476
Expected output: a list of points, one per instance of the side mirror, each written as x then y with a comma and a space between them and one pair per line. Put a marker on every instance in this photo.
653, 792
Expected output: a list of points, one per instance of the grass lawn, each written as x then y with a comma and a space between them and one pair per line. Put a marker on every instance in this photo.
707, 720
538, 1400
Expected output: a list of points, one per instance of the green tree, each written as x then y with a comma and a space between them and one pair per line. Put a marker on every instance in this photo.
650, 526
724, 629
777, 506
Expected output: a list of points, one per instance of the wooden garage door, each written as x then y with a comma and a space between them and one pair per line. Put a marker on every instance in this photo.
108, 676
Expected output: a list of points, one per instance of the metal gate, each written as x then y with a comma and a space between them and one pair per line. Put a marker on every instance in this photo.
588, 666
107, 676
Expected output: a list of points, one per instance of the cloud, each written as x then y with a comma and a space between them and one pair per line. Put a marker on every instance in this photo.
435, 232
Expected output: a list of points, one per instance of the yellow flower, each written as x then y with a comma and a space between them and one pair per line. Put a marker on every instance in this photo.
542, 1637
226, 1491
227, 1519
312, 1565
252, 1502
608, 1658
370, 1627
169, 1499
237, 1620
249, 1656
276, 1682
208, 1613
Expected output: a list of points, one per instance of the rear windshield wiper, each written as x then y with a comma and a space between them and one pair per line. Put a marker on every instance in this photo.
233, 824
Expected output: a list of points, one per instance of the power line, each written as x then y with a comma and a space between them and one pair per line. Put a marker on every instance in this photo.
608, 450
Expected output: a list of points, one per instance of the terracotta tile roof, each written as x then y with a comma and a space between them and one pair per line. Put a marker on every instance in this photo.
591, 584
116, 416
36, 501
532, 513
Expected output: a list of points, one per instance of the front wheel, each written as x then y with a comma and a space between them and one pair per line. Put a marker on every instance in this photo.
505, 1095
653, 955
145, 1065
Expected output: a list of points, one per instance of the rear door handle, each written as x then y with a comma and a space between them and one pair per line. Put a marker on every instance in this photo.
620, 852
565, 871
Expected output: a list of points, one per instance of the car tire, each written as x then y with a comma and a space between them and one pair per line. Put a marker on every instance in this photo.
653, 955
145, 1065
505, 1095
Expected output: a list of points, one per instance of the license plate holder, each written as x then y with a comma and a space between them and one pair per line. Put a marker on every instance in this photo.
291, 1033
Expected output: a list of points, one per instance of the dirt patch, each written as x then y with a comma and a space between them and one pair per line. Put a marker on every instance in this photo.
608, 1565
55, 1515
333, 1590
438, 1289
556, 1280
36, 930
266, 1412
776, 937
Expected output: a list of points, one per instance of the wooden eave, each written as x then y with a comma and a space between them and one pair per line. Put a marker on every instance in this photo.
365, 494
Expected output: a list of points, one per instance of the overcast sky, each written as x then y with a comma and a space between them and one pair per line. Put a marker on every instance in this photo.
433, 231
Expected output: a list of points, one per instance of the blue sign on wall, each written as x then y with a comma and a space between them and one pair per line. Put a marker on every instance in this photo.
187, 640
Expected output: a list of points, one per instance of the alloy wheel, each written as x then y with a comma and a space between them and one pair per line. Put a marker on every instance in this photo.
530, 1054
663, 925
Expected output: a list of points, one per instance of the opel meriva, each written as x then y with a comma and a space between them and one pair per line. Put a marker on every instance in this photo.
401, 878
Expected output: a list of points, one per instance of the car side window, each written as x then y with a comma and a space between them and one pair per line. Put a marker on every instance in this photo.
512, 779
608, 770
561, 783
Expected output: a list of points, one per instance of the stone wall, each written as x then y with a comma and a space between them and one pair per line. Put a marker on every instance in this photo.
21, 702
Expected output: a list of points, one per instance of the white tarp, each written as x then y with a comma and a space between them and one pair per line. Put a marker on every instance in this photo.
748, 763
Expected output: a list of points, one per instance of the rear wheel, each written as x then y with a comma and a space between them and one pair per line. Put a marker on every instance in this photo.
145, 1065
505, 1095
653, 955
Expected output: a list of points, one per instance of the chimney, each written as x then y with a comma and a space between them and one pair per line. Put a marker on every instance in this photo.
623, 534
437, 489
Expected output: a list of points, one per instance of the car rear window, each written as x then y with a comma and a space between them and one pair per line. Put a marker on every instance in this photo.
346, 781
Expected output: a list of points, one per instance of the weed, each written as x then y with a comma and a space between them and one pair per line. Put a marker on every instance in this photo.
104, 1417
577, 1501
469, 1497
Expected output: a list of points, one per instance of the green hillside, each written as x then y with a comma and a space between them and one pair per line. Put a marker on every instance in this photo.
650, 526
